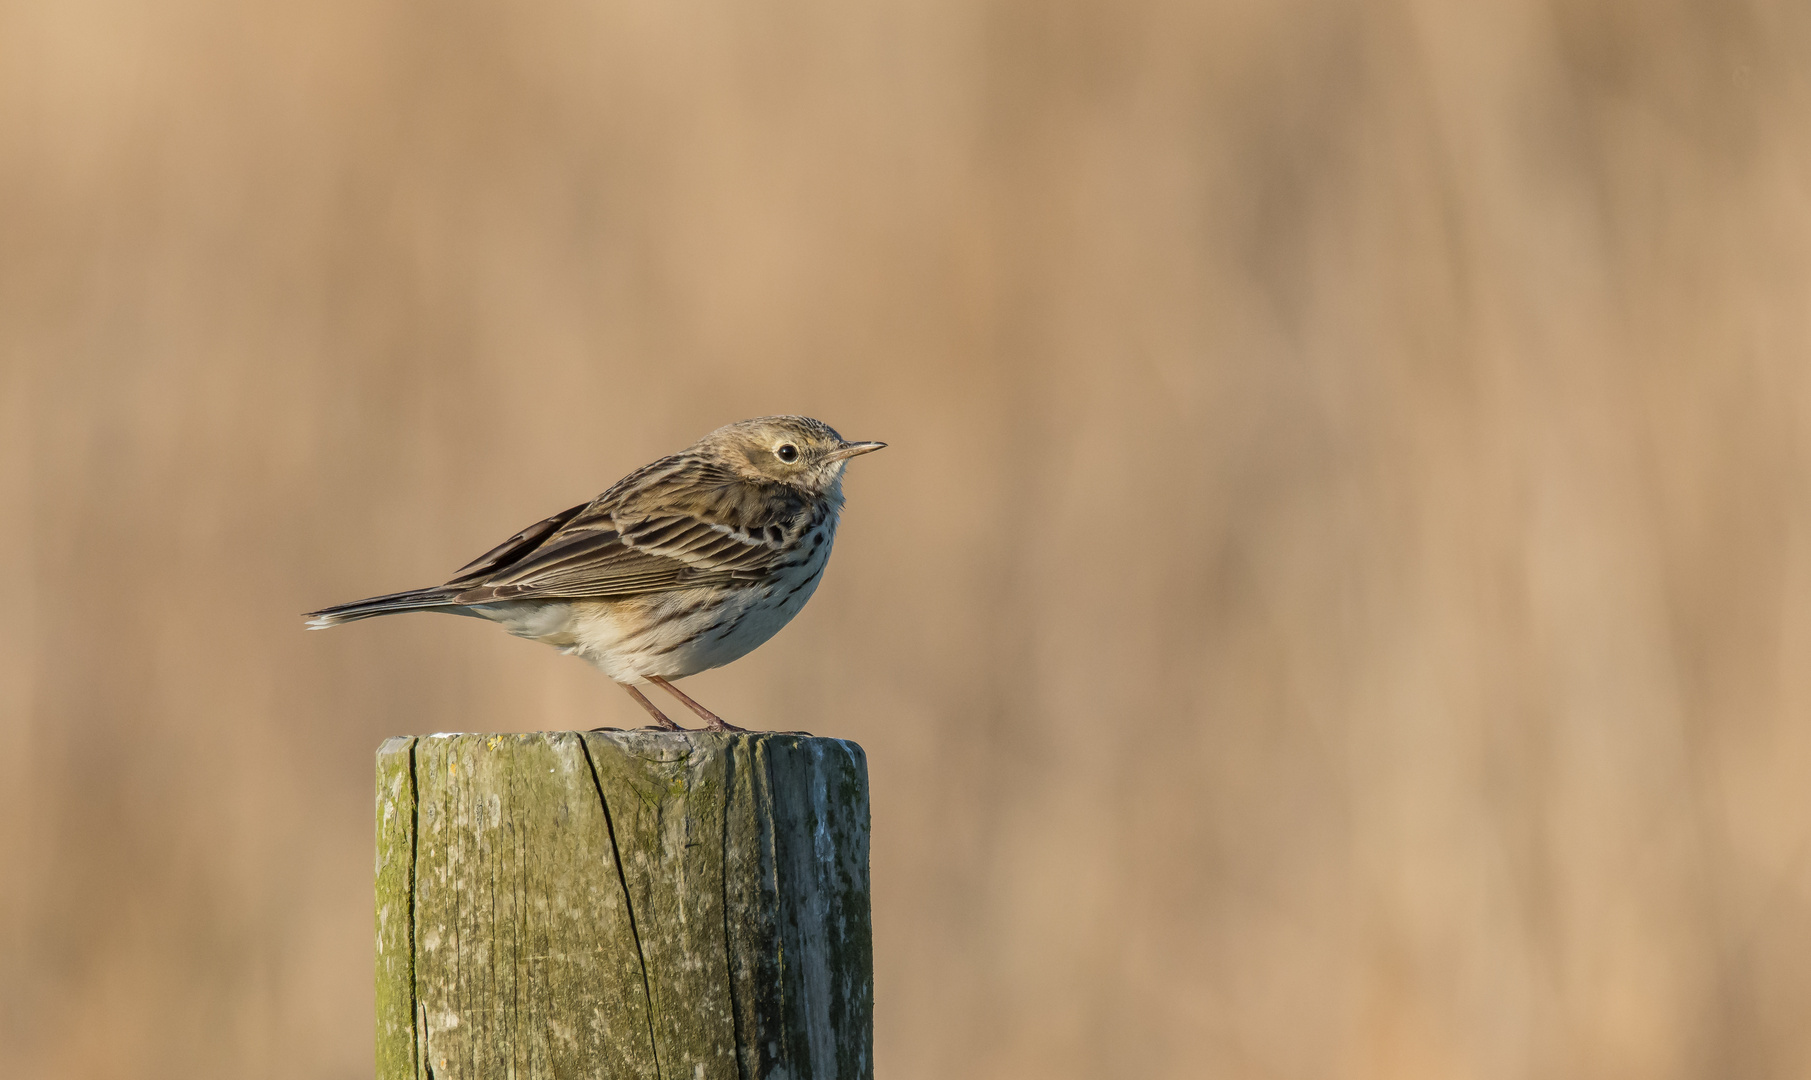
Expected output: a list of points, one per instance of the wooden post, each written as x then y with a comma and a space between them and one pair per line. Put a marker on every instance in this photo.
623, 904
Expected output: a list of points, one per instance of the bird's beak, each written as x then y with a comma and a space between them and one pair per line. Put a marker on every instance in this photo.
854, 449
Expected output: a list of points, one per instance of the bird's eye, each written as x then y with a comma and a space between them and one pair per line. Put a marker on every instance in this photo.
787, 452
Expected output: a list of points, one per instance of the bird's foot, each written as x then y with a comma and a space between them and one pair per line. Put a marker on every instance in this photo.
717, 723
662, 722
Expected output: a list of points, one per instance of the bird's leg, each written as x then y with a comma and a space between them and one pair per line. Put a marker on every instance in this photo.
712, 722
660, 718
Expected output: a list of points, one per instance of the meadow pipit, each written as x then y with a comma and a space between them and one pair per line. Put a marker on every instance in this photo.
682, 566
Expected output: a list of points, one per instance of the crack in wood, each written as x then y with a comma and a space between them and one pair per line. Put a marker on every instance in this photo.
628, 902
513, 944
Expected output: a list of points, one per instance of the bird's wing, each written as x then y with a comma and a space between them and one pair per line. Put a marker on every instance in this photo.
514, 549
676, 524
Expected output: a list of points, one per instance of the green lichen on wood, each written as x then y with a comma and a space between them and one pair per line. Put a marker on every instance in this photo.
526, 961
635, 904
395, 887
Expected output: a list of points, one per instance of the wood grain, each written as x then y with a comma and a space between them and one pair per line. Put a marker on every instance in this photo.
623, 904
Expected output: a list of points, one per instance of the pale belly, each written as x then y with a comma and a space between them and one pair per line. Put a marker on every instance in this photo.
670, 634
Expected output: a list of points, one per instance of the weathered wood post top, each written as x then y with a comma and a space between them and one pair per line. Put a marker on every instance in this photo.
674, 906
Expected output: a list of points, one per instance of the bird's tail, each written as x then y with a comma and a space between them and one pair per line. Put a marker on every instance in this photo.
438, 598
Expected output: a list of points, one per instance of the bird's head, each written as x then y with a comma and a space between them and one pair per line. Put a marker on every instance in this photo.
794, 450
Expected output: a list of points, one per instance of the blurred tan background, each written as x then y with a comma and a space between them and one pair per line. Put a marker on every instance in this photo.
1337, 603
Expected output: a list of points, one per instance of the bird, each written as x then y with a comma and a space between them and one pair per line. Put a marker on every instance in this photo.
684, 565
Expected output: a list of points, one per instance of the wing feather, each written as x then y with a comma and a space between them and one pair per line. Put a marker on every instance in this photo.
676, 524
515, 548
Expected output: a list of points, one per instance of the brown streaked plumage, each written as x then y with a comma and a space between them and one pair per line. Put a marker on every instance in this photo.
683, 565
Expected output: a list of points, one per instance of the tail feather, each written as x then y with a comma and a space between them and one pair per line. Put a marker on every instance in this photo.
413, 600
